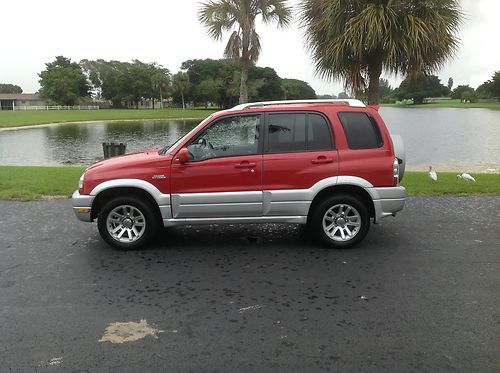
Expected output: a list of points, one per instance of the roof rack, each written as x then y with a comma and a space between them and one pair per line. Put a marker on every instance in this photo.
348, 101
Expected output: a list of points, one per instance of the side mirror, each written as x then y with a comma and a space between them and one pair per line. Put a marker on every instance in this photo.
183, 155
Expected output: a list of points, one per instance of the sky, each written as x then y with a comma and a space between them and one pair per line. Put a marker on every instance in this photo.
168, 32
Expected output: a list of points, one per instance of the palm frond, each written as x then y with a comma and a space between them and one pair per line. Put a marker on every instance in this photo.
347, 38
274, 11
233, 46
255, 46
218, 16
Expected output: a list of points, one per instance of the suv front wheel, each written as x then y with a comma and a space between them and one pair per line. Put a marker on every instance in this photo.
127, 223
340, 221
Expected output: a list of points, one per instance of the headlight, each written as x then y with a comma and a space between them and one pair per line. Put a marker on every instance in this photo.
80, 183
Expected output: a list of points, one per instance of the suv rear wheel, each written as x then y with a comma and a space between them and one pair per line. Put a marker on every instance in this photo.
127, 223
340, 221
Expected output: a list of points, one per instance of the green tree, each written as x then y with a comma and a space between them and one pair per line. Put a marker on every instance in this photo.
160, 82
218, 82
343, 96
294, 89
490, 88
356, 40
326, 97
419, 88
450, 84
385, 90
208, 91
494, 87
126, 82
265, 84
469, 96
10, 88
181, 86
239, 17
484, 90
461, 90
63, 82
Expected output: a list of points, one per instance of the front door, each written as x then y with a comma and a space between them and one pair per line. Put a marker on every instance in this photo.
224, 175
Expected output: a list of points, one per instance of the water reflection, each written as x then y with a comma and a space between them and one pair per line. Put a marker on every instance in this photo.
431, 136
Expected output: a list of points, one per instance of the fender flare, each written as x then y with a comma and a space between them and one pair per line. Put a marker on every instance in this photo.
160, 198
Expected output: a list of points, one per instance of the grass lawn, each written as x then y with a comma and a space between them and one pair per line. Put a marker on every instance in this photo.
24, 118
33, 183
419, 184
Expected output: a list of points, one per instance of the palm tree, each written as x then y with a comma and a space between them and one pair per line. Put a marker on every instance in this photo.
160, 81
181, 85
239, 17
356, 40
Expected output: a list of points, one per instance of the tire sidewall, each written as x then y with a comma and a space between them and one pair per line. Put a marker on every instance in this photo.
320, 210
143, 207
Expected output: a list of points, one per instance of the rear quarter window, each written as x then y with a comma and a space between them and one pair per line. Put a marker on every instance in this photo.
361, 130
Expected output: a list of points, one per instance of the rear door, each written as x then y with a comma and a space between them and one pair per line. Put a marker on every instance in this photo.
224, 176
299, 151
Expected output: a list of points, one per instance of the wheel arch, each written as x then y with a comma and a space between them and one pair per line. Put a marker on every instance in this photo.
108, 194
354, 190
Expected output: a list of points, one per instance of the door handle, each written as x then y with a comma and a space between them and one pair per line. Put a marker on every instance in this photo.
245, 164
322, 159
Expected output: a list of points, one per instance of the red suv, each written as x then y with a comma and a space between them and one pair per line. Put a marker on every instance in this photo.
331, 164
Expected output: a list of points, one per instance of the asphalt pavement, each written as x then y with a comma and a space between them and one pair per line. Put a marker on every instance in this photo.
420, 294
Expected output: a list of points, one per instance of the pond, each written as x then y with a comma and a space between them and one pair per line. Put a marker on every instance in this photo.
446, 137
81, 143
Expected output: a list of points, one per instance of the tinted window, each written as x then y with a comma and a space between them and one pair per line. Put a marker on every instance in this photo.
287, 132
232, 136
318, 135
361, 131
296, 132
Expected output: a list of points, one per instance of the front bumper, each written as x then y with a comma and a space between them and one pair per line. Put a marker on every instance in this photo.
387, 201
82, 206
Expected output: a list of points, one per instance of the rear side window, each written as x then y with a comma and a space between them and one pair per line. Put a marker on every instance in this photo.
319, 136
298, 132
361, 130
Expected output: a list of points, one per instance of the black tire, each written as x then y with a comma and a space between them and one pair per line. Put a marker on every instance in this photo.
358, 213
137, 207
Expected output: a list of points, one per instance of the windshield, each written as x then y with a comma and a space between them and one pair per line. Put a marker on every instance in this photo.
169, 148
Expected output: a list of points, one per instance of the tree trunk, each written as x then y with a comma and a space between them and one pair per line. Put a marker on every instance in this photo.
245, 61
243, 83
161, 99
183, 105
374, 72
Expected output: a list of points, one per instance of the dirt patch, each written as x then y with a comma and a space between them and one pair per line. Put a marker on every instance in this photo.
121, 332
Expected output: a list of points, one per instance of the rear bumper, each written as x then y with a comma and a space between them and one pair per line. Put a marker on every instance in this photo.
82, 206
387, 201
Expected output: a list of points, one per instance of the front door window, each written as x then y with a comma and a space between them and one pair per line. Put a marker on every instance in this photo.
228, 137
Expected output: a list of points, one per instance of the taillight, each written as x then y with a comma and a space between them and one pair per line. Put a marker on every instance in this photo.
395, 172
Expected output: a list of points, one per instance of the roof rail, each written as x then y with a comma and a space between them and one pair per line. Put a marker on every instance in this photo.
348, 101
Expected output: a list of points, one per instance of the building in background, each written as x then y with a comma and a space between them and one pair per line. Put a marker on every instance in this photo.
20, 101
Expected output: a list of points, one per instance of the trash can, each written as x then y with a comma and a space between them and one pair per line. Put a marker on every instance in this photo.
111, 149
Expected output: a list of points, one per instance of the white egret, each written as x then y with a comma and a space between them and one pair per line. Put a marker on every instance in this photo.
466, 177
432, 174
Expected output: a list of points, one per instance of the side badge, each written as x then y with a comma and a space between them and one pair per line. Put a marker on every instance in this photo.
158, 177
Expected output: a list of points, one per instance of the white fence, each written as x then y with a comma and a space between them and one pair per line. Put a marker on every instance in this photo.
76, 107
